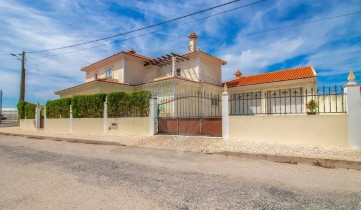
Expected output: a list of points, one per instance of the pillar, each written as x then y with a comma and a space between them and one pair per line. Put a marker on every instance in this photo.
105, 118
353, 108
152, 116
70, 119
225, 113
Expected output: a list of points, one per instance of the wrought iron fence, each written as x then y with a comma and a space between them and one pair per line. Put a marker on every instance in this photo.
190, 104
289, 101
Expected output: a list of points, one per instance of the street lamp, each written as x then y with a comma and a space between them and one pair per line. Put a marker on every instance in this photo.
22, 79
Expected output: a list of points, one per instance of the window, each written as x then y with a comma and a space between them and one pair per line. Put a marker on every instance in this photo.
178, 72
215, 101
95, 75
109, 73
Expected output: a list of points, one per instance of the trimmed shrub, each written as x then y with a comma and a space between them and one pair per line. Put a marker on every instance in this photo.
58, 108
30, 110
139, 103
21, 109
88, 106
118, 104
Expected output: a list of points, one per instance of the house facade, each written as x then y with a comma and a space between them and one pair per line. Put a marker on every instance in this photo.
194, 72
167, 75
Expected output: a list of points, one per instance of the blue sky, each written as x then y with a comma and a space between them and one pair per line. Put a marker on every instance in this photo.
333, 47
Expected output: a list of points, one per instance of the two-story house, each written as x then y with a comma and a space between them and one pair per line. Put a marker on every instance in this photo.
167, 75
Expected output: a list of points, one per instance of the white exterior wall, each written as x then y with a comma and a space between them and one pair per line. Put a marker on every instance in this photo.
117, 71
210, 71
135, 71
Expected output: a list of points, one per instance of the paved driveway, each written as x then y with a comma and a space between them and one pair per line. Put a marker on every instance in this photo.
39, 174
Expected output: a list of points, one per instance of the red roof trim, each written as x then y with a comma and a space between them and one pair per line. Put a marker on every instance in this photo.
277, 76
122, 52
87, 83
189, 53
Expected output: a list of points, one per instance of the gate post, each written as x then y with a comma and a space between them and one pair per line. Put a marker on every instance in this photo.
353, 108
37, 116
152, 116
225, 113
105, 117
70, 119
44, 118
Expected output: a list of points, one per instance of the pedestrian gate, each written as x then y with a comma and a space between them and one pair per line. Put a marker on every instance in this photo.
193, 113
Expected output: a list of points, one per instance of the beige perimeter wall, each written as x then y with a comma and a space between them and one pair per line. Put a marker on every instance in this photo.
28, 124
138, 126
326, 130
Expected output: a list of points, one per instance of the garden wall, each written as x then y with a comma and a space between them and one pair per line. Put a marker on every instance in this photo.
326, 130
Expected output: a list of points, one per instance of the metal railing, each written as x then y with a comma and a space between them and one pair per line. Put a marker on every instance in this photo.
289, 101
190, 104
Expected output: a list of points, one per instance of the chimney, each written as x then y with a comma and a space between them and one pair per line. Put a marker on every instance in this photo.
192, 42
238, 74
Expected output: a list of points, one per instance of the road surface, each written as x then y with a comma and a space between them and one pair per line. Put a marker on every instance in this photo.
39, 174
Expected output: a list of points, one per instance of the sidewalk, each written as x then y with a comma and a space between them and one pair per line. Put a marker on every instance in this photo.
328, 157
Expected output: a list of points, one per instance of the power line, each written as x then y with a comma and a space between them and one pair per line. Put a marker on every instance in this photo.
199, 19
302, 23
293, 25
139, 29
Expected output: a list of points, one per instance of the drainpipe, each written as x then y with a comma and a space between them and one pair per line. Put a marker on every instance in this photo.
173, 65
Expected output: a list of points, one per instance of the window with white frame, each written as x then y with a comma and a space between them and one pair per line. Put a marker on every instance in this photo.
109, 73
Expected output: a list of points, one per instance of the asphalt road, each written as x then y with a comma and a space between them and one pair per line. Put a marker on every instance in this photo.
39, 174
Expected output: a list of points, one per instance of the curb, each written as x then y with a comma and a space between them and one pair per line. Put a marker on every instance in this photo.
319, 162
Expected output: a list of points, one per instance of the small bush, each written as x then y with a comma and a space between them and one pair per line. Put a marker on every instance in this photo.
58, 108
88, 106
312, 106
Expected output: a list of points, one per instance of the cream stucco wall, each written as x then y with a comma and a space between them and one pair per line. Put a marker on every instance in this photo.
210, 71
138, 126
28, 124
57, 125
135, 71
88, 125
326, 130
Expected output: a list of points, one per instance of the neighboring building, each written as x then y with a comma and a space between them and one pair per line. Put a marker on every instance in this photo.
274, 92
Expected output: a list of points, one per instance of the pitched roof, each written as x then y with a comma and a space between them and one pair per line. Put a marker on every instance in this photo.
130, 52
113, 81
204, 53
277, 76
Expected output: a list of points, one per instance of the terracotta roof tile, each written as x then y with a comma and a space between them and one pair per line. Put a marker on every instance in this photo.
277, 76
108, 80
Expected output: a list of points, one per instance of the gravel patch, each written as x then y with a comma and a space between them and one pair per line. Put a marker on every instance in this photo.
206, 144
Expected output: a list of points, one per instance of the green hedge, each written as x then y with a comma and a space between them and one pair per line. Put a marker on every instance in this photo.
21, 109
88, 106
139, 102
26, 109
122, 104
118, 104
30, 110
58, 108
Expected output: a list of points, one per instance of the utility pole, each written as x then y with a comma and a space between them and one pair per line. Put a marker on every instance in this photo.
22, 77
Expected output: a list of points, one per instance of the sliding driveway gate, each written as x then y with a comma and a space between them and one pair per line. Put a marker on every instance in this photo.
193, 113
